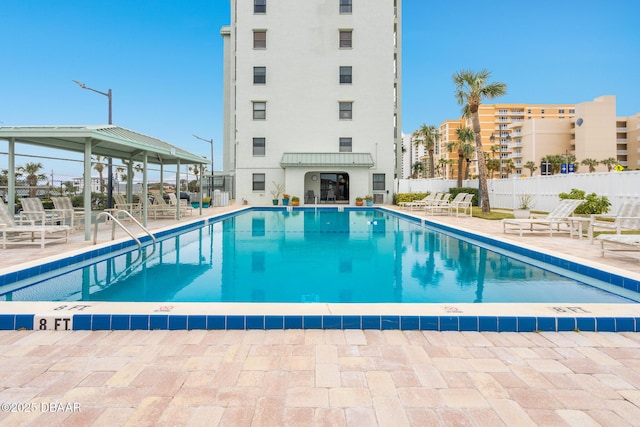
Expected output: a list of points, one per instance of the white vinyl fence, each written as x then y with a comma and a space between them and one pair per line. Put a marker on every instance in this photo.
505, 193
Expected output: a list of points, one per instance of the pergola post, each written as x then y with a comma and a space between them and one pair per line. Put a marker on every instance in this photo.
87, 189
145, 189
11, 185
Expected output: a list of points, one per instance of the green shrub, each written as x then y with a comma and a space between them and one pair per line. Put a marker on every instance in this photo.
592, 203
469, 190
409, 197
98, 201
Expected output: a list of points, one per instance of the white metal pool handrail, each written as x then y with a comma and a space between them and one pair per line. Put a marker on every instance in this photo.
113, 227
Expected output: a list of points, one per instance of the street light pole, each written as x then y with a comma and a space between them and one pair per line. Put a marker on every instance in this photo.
210, 141
109, 95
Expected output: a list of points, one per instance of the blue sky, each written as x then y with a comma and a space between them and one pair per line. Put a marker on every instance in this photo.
163, 61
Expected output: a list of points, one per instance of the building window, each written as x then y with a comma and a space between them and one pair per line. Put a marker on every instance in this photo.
259, 39
542, 111
346, 39
259, 6
345, 75
560, 111
259, 110
259, 75
258, 181
572, 111
346, 145
259, 147
346, 110
378, 182
345, 6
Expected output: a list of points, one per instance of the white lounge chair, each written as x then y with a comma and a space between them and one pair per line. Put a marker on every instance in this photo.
620, 244
33, 210
466, 203
424, 199
560, 216
185, 207
135, 209
628, 218
25, 232
430, 199
438, 204
65, 207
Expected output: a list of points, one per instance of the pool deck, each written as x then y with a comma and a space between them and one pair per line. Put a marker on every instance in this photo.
322, 377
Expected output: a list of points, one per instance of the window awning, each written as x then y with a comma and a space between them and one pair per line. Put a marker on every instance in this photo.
363, 160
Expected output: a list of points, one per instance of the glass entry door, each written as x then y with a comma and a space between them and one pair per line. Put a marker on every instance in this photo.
334, 187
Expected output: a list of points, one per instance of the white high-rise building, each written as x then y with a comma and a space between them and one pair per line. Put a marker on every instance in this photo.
312, 99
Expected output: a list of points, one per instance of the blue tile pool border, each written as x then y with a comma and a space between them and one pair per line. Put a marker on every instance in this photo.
467, 323
446, 322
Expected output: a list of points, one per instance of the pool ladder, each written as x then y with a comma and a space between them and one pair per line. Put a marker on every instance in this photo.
114, 222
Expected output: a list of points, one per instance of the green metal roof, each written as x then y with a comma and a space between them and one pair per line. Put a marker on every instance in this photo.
106, 140
326, 159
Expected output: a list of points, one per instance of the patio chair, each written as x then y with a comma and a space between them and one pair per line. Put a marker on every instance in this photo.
310, 197
463, 205
185, 207
25, 232
550, 223
331, 195
160, 208
135, 209
446, 205
622, 244
438, 205
429, 199
33, 210
65, 207
627, 218
424, 199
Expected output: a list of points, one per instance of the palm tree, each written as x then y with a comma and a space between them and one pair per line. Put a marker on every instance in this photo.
555, 160
428, 136
99, 167
493, 166
418, 168
531, 165
591, 163
471, 89
509, 166
32, 169
464, 146
609, 163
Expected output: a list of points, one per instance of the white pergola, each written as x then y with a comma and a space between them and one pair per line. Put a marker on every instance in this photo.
102, 140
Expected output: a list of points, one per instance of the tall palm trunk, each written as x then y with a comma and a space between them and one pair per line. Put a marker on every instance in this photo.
482, 165
460, 164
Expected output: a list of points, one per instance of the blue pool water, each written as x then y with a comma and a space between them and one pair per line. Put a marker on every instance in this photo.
357, 256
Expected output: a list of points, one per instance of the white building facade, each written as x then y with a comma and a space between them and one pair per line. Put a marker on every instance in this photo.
312, 99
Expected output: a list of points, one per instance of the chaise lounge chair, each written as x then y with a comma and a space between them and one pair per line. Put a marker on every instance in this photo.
628, 218
25, 231
33, 210
622, 244
66, 209
185, 207
560, 216
429, 199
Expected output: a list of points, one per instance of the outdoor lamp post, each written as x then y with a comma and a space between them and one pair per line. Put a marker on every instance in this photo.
110, 160
210, 141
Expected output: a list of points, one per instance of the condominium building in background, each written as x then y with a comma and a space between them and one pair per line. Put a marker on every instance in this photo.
519, 135
312, 99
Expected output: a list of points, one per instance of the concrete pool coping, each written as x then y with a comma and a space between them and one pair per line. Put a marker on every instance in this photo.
513, 317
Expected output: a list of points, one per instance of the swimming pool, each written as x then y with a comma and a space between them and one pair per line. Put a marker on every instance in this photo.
311, 256
415, 260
